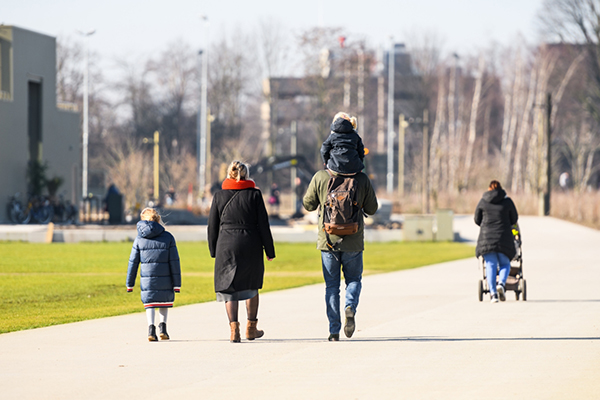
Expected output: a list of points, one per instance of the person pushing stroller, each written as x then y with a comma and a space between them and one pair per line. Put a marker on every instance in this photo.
496, 214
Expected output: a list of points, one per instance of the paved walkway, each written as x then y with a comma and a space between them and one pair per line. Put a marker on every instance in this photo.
421, 334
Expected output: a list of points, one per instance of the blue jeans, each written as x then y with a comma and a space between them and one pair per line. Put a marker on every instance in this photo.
351, 263
493, 263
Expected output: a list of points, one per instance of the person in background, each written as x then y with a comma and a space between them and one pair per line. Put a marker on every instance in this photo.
160, 275
238, 231
274, 199
495, 214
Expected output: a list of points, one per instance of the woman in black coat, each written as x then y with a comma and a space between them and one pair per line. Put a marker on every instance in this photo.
496, 214
238, 231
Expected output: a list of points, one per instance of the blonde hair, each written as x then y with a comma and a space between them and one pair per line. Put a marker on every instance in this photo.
150, 214
237, 170
347, 117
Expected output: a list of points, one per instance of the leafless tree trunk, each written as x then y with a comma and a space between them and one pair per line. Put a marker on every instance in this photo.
517, 104
524, 128
435, 150
485, 143
453, 145
473, 121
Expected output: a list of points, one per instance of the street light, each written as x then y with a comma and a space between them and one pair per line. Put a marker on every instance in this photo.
390, 119
202, 118
84, 178
155, 141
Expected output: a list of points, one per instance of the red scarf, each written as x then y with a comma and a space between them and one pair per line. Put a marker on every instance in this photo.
232, 184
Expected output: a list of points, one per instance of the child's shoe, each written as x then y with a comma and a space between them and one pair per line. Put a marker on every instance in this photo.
162, 329
152, 333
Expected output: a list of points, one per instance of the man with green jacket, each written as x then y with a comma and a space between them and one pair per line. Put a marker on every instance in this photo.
346, 255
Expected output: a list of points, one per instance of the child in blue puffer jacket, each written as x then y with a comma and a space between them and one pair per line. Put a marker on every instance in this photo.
160, 274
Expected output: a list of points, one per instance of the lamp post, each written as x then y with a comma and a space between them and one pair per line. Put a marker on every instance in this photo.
84, 160
202, 118
402, 125
390, 119
156, 164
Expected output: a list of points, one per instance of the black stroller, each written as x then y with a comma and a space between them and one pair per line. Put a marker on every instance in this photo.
515, 281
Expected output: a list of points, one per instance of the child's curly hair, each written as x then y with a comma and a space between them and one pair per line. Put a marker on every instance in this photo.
150, 214
347, 117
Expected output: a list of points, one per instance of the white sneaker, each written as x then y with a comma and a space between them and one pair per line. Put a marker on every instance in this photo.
500, 289
494, 298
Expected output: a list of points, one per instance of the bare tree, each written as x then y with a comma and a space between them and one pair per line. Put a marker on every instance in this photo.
473, 120
129, 168
579, 149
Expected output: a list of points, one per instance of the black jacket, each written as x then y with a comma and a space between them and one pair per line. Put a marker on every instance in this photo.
496, 214
343, 150
236, 239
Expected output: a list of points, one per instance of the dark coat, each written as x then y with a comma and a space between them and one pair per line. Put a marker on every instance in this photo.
236, 239
343, 150
496, 214
315, 198
160, 272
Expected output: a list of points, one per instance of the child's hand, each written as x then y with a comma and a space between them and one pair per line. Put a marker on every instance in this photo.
129, 289
270, 259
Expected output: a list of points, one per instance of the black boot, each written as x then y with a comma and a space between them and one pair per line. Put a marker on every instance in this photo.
162, 329
152, 333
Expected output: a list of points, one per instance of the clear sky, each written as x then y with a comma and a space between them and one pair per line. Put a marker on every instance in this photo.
130, 28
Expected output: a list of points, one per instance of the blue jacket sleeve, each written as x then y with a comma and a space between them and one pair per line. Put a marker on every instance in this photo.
175, 266
134, 262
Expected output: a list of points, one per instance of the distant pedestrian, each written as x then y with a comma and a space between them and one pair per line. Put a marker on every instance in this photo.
343, 151
299, 190
496, 214
238, 231
274, 199
160, 275
564, 181
345, 252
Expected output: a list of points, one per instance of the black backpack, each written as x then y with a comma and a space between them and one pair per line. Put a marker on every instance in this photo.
341, 210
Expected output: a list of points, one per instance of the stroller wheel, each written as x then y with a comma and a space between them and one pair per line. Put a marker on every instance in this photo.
524, 290
480, 290
517, 294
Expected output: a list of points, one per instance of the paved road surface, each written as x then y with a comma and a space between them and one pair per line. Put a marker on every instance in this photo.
421, 334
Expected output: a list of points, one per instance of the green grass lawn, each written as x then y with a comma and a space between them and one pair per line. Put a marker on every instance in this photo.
49, 284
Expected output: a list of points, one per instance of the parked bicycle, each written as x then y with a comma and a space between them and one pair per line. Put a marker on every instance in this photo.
16, 211
37, 209
64, 211
40, 209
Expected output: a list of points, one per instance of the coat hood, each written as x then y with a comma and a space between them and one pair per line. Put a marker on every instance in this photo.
494, 196
342, 125
149, 229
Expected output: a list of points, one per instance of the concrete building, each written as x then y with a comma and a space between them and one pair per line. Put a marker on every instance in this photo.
32, 125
